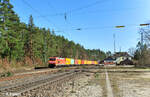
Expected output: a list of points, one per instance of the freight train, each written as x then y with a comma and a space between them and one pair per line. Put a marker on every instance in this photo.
57, 61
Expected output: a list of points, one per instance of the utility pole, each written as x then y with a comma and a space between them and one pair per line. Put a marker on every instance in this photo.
120, 48
118, 27
114, 36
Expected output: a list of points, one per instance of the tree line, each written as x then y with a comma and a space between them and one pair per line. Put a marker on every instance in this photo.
30, 44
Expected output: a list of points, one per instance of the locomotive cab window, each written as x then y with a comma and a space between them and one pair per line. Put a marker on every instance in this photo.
52, 59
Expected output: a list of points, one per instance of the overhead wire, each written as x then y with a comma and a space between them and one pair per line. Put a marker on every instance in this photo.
78, 9
86, 28
65, 16
81, 8
25, 2
35, 10
87, 6
103, 27
90, 12
96, 11
51, 6
105, 11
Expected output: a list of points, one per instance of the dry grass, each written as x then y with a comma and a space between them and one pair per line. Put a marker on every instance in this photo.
6, 66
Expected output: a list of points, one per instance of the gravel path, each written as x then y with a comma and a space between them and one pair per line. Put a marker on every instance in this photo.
89, 91
108, 84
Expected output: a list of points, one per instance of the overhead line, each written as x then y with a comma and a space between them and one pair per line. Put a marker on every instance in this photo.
51, 6
62, 14
87, 6
101, 27
78, 9
41, 14
35, 10
100, 10
87, 12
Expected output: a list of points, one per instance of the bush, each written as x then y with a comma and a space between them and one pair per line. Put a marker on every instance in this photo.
9, 74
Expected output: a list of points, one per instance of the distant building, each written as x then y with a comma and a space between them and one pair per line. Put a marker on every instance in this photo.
117, 58
108, 61
121, 56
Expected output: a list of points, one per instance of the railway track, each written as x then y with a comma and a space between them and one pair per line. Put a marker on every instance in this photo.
23, 89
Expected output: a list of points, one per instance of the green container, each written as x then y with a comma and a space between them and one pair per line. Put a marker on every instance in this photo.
72, 61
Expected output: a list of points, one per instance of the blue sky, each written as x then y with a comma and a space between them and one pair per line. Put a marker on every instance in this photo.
97, 20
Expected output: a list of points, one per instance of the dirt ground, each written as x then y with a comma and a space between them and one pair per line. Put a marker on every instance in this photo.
133, 84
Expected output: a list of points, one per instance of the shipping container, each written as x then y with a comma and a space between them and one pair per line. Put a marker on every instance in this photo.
76, 62
82, 62
96, 62
86, 61
92, 62
72, 61
60, 61
68, 61
79, 61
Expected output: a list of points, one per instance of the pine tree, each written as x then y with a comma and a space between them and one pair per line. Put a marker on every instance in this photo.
10, 42
29, 40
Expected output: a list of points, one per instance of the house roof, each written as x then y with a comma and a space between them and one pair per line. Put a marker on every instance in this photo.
109, 59
121, 54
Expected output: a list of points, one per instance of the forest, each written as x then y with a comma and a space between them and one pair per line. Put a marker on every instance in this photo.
27, 44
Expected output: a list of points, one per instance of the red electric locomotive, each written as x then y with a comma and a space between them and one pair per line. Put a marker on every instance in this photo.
56, 61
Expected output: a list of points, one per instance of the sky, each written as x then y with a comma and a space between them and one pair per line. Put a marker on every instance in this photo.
96, 19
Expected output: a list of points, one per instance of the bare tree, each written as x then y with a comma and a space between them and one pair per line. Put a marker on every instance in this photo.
144, 58
146, 35
131, 51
